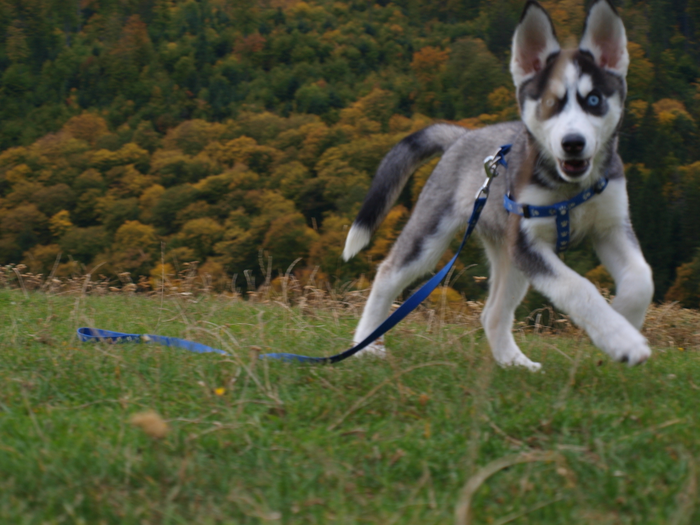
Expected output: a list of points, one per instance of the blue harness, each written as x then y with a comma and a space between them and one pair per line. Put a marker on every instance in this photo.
560, 210
490, 164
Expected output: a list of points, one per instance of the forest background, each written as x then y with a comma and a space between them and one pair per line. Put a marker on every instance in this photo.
143, 135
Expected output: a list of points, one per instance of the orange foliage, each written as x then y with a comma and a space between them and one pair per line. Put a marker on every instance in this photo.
686, 288
248, 45
134, 235
41, 259
88, 127
387, 233
370, 112
667, 110
568, 17
428, 62
601, 278
135, 44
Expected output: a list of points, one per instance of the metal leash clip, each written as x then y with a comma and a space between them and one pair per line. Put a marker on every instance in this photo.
490, 164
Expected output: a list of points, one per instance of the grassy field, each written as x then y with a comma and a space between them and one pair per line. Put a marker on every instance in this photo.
434, 434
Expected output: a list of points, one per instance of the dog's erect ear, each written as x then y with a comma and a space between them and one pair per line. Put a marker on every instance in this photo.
534, 40
605, 38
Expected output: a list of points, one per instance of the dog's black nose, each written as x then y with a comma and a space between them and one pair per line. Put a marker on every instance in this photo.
573, 143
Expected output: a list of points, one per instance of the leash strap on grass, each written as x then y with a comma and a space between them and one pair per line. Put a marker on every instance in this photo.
87, 335
96, 334
402, 311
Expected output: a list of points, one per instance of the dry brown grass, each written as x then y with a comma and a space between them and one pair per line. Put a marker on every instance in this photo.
670, 325
667, 325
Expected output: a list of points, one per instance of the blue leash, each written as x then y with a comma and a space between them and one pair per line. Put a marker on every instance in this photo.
87, 335
559, 209
490, 164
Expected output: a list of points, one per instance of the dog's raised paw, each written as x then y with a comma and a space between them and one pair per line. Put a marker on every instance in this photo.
627, 346
635, 356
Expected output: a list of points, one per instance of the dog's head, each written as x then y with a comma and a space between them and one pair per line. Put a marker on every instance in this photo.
571, 100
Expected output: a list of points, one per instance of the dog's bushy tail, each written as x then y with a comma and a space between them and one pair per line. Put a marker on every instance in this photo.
392, 175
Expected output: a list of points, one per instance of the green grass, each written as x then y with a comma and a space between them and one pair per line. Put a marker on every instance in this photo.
366, 441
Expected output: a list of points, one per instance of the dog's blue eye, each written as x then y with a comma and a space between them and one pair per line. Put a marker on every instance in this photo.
593, 100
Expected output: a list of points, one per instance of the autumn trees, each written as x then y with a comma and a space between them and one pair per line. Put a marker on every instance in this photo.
225, 131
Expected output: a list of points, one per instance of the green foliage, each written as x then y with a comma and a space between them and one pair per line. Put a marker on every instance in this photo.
472, 73
172, 201
201, 235
83, 244
289, 238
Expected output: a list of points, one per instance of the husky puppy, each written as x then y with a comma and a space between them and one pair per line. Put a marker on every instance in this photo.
571, 103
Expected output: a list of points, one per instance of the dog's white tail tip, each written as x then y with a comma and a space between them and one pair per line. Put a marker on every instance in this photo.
358, 238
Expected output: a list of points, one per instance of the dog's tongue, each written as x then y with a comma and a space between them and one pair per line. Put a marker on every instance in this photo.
575, 166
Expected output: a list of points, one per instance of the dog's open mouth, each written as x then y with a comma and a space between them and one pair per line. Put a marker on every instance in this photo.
574, 167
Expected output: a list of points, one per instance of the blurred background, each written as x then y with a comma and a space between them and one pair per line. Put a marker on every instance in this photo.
142, 136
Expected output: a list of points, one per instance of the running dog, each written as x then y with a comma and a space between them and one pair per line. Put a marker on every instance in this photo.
571, 103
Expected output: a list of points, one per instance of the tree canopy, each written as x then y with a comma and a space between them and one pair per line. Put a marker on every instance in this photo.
227, 131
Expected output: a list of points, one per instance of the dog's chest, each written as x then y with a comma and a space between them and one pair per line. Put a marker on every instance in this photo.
595, 216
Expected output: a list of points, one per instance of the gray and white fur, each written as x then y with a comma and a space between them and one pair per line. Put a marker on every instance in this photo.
571, 104
392, 175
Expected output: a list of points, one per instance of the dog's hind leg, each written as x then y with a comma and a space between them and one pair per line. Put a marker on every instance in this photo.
387, 285
508, 286
416, 252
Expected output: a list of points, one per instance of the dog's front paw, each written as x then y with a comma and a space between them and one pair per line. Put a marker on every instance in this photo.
627, 346
519, 359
